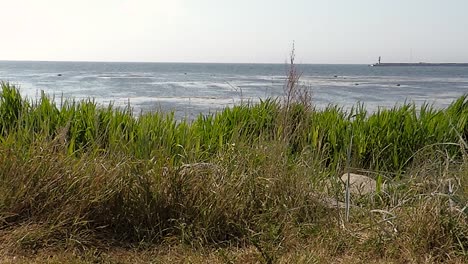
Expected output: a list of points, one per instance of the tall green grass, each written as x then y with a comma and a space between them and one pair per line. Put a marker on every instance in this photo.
386, 140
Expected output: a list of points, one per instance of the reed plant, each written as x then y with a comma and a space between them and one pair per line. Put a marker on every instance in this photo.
384, 140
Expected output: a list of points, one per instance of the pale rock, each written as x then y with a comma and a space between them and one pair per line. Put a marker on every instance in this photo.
360, 184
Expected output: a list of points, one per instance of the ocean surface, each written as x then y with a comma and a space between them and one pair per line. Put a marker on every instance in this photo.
192, 88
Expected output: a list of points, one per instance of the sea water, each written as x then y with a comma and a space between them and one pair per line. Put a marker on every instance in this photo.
189, 89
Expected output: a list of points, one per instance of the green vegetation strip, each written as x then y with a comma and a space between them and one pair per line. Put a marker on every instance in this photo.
384, 140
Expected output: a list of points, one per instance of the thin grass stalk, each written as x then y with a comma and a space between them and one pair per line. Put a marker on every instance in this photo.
348, 168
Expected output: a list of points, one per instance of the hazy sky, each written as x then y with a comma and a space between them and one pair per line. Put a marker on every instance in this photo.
325, 31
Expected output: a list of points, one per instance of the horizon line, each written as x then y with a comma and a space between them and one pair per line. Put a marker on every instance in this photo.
182, 62
286, 62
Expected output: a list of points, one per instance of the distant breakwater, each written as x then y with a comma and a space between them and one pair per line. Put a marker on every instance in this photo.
420, 64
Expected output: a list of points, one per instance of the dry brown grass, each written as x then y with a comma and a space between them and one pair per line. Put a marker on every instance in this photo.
254, 206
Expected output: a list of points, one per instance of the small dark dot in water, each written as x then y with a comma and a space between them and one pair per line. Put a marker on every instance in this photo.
356, 84
398, 84
335, 76
59, 74
185, 73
